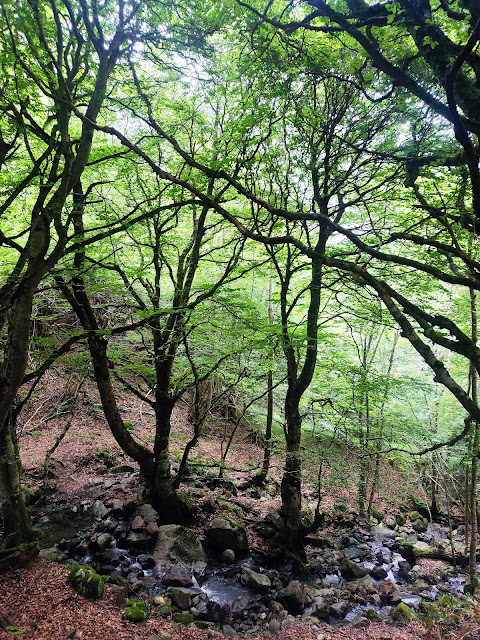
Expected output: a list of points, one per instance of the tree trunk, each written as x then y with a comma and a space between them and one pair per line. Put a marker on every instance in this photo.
17, 528
291, 493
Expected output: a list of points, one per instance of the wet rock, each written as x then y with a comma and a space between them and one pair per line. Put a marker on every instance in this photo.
258, 582
293, 597
180, 545
420, 526
385, 590
239, 606
224, 534
351, 570
178, 577
103, 541
383, 532
137, 541
378, 573
357, 551
147, 562
339, 609
119, 593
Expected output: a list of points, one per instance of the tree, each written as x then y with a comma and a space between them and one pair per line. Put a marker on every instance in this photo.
55, 58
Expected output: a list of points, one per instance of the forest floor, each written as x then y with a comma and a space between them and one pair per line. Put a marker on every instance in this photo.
37, 602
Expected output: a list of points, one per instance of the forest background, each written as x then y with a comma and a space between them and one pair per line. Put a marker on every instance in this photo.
269, 208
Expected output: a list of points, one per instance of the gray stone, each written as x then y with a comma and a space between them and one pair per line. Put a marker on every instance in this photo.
320, 608
229, 631
99, 510
224, 534
179, 598
351, 570
180, 545
147, 513
359, 622
339, 609
257, 582
178, 577
137, 524
293, 596
275, 625
53, 554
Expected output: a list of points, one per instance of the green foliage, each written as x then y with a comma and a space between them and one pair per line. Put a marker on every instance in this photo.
444, 615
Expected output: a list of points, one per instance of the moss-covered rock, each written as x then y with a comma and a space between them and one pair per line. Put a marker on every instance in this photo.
165, 611
135, 611
376, 513
403, 613
86, 581
400, 519
182, 618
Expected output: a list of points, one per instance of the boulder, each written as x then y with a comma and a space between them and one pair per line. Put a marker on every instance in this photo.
85, 581
293, 597
99, 510
137, 524
180, 545
339, 609
147, 513
351, 570
258, 582
103, 541
222, 534
378, 573
228, 556
177, 577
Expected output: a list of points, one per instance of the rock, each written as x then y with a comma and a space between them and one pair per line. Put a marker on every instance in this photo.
356, 551
177, 577
378, 573
179, 598
238, 606
382, 531
385, 589
420, 526
421, 547
359, 622
122, 468
99, 510
275, 625
224, 534
180, 545
146, 561
351, 570
85, 581
137, 541
228, 556
135, 611
103, 541
257, 582
182, 618
339, 609
137, 524
229, 631
320, 608
147, 513
53, 554
152, 529
293, 596
119, 593
117, 508
403, 613
400, 519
